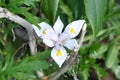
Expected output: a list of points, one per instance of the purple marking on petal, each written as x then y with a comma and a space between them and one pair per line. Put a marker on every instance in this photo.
64, 36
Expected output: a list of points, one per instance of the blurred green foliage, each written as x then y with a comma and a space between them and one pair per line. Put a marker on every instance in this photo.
100, 51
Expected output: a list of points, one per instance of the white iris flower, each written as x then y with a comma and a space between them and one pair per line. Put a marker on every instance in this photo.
54, 37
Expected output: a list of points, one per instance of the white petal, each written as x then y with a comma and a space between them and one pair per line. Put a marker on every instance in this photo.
58, 26
53, 36
74, 28
48, 42
48, 32
70, 44
37, 30
44, 25
59, 59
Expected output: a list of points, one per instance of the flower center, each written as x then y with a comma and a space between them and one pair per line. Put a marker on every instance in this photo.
63, 41
59, 53
44, 32
72, 30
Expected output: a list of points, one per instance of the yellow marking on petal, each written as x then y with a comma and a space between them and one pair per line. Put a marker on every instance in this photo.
44, 32
72, 30
63, 41
59, 53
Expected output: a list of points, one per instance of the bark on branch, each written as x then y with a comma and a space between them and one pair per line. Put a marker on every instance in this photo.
4, 13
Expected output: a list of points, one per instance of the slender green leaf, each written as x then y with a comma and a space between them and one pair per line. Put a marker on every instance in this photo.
110, 6
30, 17
117, 72
78, 9
25, 76
101, 72
99, 52
21, 2
66, 10
0, 66
31, 66
95, 10
27, 67
112, 58
49, 8
86, 74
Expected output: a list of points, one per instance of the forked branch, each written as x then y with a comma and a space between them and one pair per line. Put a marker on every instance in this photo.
4, 13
